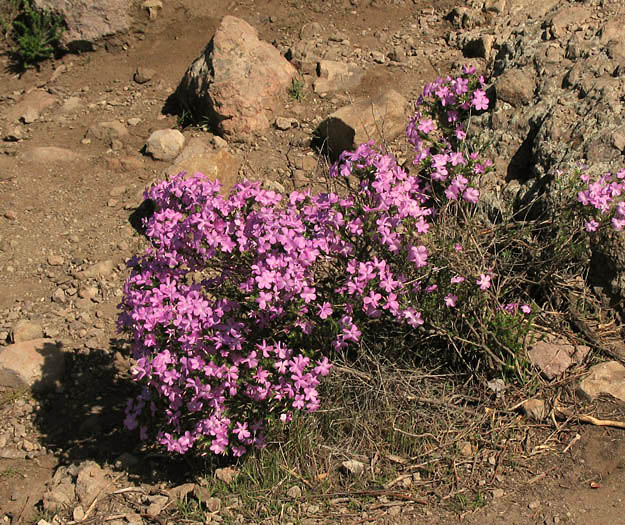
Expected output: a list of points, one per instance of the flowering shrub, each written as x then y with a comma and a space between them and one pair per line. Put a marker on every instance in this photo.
603, 195
235, 306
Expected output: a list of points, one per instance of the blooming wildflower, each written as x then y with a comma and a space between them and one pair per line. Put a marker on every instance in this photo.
484, 281
526, 308
450, 300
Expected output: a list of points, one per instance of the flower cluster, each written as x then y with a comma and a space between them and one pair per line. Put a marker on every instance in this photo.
603, 195
438, 133
233, 308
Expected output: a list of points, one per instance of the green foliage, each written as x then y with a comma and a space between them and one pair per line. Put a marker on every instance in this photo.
37, 35
296, 91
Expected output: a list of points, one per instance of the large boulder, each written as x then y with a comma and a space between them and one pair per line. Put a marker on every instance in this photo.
87, 21
237, 82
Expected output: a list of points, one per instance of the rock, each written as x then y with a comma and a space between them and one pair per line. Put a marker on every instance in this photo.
79, 513
11, 453
553, 358
143, 75
566, 17
107, 131
87, 22
157, 503
466, 449
61, 492
71, 104
515, 87
284, 124
55, 260
101, 269
310, 30
353, 467
480, 47
46, 154
227, 474
294, 492
533, 505
216, 165
165, 144
498, 493
237, 82
180, 492
335, 76
91, 483
37, 364
30, 107
26, 331
382, 118
534, 409
152, 7
604, 378
495, 6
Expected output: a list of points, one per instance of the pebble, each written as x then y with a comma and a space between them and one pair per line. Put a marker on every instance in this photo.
55, 260
533, 505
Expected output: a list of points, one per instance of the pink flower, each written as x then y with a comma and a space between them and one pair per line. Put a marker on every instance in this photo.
591, 226
418, 255
325, 311
450, 300
471, 195
526, 308
484, 281
457, 279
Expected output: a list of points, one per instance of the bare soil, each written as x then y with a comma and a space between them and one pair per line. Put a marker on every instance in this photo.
81, 211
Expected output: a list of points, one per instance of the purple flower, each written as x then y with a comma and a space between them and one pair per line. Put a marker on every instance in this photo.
484, 282
451, 300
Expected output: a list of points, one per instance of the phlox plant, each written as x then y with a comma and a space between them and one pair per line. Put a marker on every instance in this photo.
239, 302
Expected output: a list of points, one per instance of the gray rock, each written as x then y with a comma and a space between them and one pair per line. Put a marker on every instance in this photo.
604, 378
38, 364
165, 144
515, 87
61, 492
26, 331
86, 21
381, 119
237, 82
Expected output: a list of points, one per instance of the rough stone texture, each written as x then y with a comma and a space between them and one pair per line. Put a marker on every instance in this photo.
26, 331
108, 130
91, 482
88, 21
553, 358
558, 72
335, 76
216, 165
604, 378
238, 80
30, 107
383, 118
38, 364
165, 144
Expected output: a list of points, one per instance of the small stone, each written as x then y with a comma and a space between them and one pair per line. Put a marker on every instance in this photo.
378, 57
218, 142
78, 513
284, 124
498, 493
353, 467
111, 203
55, 260
465, 448
294, 492
59, 296
11, 215
165, 144
88, 292
533, 505
101, 269
227, 475
133, 121
534, 409
143, 75
157, 503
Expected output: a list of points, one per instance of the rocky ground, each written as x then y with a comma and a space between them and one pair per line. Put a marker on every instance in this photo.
85, 133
